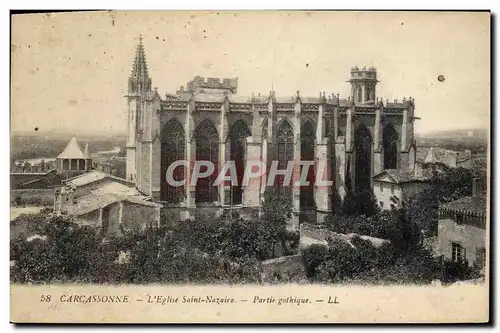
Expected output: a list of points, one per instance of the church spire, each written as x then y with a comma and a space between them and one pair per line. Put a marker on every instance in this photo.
140, 67
139, 80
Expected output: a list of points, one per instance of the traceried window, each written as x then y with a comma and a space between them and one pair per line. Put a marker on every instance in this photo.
285, 154
307, 139
172, 149
390, 143
207, 149
458, 253
363, 146
239, 133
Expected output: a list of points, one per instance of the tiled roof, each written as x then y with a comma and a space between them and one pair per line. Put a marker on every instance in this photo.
402, 176
91, 202
72, 150
473, 205
96, 200
93, 176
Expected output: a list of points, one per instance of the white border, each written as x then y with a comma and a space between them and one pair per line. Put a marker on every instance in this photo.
186, 4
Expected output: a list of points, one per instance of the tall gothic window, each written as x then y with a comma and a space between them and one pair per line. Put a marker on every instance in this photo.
390, 143
363, 144
359, 95
307, 139
285, 154
239, 133
172, 149
207, 149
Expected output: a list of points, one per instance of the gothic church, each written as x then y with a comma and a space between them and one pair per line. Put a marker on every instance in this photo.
357, 138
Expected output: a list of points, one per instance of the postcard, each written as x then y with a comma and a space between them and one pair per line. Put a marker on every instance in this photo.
250, 167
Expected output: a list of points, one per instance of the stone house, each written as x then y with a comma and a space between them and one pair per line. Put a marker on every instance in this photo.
108, 203
462, 231
393, 184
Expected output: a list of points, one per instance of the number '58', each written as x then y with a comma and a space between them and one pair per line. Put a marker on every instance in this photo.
45, 298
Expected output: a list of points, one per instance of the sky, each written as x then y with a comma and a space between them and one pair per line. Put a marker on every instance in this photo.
69, 70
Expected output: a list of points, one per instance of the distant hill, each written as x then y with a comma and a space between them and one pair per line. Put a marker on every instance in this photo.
459, 140
48, 145
453, 134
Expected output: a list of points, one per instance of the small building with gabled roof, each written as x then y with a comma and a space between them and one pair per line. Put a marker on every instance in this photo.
108, 203
393, 186
73, 161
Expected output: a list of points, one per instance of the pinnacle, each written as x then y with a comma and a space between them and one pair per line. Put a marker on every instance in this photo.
139, 67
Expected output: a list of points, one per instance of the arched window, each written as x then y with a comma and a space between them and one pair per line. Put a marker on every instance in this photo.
307, 139
207, 149
285, 154
390, 144
239, 133
363, 144
359, 94
368, 93
172, 149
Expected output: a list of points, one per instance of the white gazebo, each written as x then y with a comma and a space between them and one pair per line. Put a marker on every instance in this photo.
73, 159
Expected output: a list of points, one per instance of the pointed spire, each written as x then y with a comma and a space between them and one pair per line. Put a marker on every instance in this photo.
140, 67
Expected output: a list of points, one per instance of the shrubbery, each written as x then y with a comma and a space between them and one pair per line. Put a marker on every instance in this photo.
228, 250
404, 260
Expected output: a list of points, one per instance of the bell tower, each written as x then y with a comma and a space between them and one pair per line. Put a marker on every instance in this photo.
139, 82
363, 84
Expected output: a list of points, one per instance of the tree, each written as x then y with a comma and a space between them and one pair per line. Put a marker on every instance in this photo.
276, 211
448, 186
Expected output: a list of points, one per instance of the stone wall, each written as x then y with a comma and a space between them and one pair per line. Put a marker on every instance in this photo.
36, 197
310, 234
290, 269
470, 237
137, 216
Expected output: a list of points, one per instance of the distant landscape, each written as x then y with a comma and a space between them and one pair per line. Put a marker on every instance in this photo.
49, 145
476, 140
28, 145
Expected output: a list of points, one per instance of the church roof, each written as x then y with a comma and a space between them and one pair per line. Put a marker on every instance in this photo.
72, 150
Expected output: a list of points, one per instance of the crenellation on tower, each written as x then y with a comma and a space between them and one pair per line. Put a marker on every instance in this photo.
201, 84
363, 85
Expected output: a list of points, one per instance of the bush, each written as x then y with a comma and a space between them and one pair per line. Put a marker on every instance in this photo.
456, 271
314, 256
